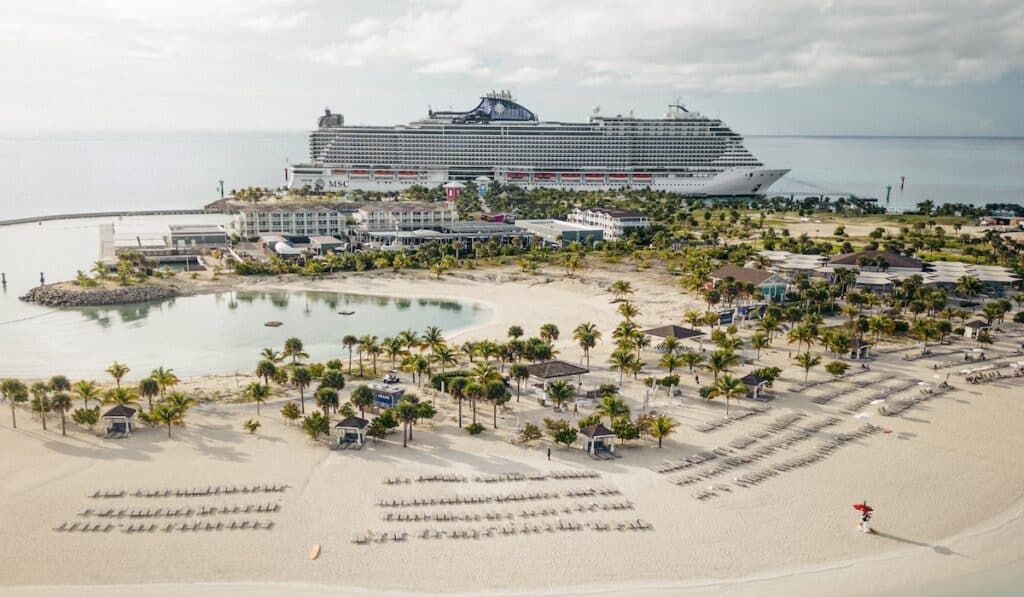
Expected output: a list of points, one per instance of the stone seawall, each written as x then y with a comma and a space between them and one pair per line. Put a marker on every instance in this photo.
63, 295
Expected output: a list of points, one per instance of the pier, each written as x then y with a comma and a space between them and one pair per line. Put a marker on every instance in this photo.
109, 214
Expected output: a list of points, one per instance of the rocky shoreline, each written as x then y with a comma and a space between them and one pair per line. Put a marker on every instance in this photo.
62, 295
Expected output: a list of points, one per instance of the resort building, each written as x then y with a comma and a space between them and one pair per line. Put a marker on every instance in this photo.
878, 261
322, 245
196, 237
788, 264
295, 219
997, 280
615, 223
560, 233
119, 421
772, 286
405, 216
974, 328
468, 233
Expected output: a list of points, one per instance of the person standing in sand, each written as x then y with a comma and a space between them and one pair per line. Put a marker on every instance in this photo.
865, 516
549, 453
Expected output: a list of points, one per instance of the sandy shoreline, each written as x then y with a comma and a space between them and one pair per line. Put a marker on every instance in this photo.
946, 481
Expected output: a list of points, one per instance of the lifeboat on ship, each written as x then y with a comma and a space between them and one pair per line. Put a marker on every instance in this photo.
570, 176
643, 177
339, 171
360, 174
618, 177
543, 176
384, 174
408, 174
594, 177
518, 175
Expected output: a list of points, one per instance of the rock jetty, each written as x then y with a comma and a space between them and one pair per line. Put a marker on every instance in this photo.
64, 295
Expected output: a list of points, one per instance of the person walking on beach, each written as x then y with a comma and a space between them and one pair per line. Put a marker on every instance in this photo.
549, 453
865, 516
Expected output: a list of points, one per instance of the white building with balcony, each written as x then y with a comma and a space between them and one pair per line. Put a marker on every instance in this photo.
616, 223
301, 220
388, 215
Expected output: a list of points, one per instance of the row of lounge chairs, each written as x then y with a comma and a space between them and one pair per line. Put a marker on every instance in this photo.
461, 500
191, 491
712, 425
385, 537
535, 528
179, 512
671, 466
83, 527
859, 404
147, 527
990, 376
592, 491
896, 407
783, 422
347, 446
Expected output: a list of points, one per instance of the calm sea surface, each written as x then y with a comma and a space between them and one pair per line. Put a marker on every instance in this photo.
48, 174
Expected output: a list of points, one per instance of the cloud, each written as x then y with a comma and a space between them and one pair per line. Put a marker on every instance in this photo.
727, 45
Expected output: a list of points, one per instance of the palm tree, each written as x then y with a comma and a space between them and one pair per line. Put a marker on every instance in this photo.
374, 350
587, 335
148, 387
497, 394
621, 289
61, 402
301, 378
693, 318
349, 342
721, 361
759, 341
662, 427
293, 348
515, 332
117, 371
622, 360
14, 391
362, 397
807, 361
100, 270
628, 311
271, 355
165, 378
60, 383
692, 359
802, 333
549, 332
266, 369
256, 392
40, 400
394, 348
121, 397
520, 373
167, 413
433, 338
361, 348
671, 361
326, 399
559, 392
86, 391
472, 390
969, 286
444, 357
410, 339
728, 387
613, 407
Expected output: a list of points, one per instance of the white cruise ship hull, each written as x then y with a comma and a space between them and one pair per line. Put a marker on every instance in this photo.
733, 182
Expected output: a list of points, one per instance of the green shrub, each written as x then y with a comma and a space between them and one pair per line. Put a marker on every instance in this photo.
475, 428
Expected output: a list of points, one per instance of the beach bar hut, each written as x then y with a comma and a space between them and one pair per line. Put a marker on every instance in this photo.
973, 328
119, 420
352, 430
756, 386
548, 371
386, 396
598, 439
674, 331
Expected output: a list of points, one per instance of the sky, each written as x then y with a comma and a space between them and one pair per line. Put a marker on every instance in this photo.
814, 67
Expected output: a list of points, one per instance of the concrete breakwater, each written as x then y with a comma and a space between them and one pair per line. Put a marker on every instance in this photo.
63, 295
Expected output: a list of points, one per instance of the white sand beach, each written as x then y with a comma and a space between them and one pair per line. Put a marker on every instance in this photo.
945, 479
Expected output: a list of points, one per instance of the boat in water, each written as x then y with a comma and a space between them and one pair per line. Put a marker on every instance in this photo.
502, 140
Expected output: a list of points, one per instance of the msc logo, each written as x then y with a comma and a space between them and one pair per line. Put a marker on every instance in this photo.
319, 184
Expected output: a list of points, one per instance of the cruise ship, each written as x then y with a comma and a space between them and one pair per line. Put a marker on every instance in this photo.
502, 140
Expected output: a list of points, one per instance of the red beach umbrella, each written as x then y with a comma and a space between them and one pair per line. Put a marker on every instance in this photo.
862, 507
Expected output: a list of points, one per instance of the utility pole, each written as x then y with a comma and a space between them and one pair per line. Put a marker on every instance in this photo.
220, 185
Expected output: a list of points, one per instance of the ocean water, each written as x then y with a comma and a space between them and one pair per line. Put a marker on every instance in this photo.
61, 173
